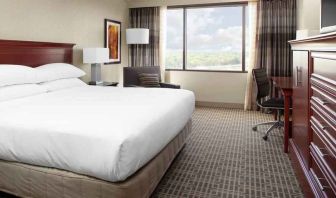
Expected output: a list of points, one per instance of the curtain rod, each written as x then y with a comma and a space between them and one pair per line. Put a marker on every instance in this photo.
146, 3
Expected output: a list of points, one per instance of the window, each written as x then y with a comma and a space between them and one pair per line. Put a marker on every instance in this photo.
208, 38
174, 41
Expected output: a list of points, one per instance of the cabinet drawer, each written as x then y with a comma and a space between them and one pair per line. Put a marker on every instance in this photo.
324, 92
322, 173
323, 134
323, 117
325, 64
323, 81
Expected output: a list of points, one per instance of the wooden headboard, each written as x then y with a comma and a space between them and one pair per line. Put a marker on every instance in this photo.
33, 54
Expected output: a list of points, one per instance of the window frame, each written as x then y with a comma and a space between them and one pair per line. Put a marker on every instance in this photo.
184, 59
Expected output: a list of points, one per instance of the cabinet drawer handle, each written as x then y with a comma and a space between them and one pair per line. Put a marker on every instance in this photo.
324, 127
320, 101
323, 152
320, 151
318, 181
298, 77
323, 188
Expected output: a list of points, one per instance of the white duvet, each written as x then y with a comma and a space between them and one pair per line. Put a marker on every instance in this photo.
104, 132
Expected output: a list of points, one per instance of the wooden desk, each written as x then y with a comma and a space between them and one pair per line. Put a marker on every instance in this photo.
285, 84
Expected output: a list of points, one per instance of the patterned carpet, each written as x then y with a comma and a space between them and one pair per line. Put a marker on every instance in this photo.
225, 158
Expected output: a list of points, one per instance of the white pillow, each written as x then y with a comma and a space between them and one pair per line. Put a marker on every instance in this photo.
16, 75
56, 71
20, 91
62, 84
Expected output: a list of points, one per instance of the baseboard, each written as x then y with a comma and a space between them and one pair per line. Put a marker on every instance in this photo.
301, 171
219, 104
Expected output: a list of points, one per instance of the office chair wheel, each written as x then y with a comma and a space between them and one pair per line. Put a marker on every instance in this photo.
265, 137
254, 128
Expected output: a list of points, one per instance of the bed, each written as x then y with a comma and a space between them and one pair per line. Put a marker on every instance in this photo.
95, 142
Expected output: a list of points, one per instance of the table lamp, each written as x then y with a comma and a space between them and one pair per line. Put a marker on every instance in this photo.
95, 56
136, 36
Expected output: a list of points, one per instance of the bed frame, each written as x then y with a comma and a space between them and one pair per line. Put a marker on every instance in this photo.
26, 180
34, 54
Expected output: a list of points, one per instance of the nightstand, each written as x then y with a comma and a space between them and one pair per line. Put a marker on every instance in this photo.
105, 84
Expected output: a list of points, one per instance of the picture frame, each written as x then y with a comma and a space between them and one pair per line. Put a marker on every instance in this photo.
112, 34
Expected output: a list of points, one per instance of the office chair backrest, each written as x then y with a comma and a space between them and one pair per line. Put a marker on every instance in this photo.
263, 84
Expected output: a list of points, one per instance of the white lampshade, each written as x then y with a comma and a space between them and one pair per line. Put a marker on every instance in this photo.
95, 55
137, 36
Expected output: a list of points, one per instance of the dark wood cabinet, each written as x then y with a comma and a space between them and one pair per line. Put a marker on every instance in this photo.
313, 142
300, 104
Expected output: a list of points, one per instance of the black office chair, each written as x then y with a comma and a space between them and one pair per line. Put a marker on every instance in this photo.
263, 85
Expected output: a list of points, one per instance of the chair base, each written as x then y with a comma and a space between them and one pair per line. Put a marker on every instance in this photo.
274, 125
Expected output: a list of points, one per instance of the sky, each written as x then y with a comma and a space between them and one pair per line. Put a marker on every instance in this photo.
208, 29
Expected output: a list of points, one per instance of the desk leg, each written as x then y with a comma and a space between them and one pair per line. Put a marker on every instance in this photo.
286, 115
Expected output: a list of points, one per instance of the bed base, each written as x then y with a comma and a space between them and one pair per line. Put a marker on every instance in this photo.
25, 180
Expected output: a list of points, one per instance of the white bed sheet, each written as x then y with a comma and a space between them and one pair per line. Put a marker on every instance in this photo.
104, 132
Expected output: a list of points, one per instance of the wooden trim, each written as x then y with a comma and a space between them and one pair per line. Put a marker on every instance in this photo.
34, 43
310, 94
34, 54
324, 55
320, 37
301, 171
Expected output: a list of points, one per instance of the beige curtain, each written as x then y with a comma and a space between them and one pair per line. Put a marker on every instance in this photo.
250, 95
145, 55
277, 25
162, 48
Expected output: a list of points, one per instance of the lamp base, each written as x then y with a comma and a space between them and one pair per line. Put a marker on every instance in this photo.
96, 82
96, 72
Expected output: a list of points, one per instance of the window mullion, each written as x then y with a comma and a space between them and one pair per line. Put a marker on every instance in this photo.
184, 38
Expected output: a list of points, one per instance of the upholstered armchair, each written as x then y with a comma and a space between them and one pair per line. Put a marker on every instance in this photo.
131, 76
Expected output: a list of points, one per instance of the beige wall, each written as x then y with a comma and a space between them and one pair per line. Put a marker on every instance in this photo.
81, 22
216, 87
71, 21
308, 14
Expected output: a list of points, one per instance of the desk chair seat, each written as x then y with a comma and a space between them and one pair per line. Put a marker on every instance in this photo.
263, 85
273, 103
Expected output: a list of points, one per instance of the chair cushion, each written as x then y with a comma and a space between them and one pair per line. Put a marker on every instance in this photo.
149, 80
131, 74
273, 102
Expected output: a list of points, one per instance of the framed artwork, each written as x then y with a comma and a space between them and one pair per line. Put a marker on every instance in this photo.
113, 40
